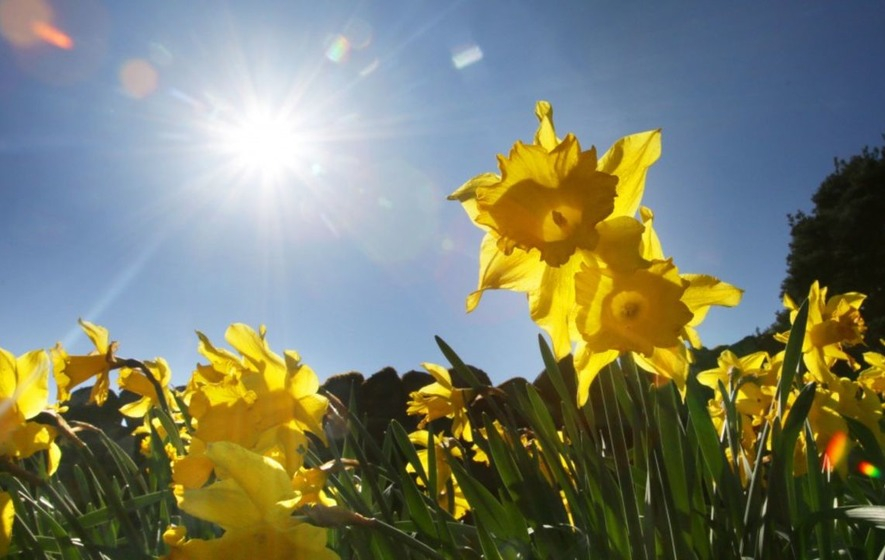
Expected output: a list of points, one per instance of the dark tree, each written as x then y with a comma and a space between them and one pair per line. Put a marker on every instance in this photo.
841, 242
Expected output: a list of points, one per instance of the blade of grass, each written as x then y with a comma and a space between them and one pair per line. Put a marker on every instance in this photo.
792, 356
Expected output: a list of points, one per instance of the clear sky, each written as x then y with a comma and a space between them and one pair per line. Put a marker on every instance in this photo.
128, 198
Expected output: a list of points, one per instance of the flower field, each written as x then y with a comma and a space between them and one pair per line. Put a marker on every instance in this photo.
624, 447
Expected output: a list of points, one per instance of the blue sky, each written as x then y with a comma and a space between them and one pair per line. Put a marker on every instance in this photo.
121, 202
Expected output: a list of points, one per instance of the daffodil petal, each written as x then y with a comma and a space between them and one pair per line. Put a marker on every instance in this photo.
222, 360
587, 366
440, 374
704, 291
671, 363
97, 334
264, 480
193, 470
253, 347
619, 244
651, 244
466, 194
223, 502
303, 380
546, 134
8, 377
552, 305
629, 159
518, 271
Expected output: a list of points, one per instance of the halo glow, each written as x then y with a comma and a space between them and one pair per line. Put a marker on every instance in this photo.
260, 142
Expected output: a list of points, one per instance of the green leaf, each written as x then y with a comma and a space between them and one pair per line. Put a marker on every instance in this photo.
170, 427
502, 521
792, 357
458, 364
106, 515
702, 424
419, 513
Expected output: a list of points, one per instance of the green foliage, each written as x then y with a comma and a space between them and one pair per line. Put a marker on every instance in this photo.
640, 471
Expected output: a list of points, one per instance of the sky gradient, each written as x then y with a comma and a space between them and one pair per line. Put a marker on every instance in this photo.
123, 203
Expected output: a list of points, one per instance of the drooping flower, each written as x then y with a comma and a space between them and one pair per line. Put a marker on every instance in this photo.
24, 393
442, 400
551, 208
71, 371
253, 501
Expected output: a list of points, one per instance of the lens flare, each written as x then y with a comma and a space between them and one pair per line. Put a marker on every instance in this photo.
466, 55
139, 78
19, 20
868, 469
338, 49
53, 35
836, 449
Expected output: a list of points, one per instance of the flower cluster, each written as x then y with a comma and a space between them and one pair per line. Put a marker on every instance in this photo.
244, 468
567, 228
751, 383
241, 461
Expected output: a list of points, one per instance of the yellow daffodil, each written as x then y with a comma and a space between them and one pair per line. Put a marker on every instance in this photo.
259, 400
732, 368
549, 200
448, 493
873, 377
285, 388
619, 312
553, 207
702, 292
24, 393
253, 500
442, 400
854, 400
310, 484
631, 312
667, 358
833, 323
71, 371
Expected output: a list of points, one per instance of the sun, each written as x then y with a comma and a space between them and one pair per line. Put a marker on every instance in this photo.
260, 142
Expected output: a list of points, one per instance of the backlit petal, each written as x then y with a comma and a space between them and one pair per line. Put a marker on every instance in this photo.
97, 334
548, 201
466, 194
223, 502
255, 350
262, 479
546, 134
588, 364
635, 311
629, 159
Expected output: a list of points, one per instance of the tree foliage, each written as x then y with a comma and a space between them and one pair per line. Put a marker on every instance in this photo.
841, 242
